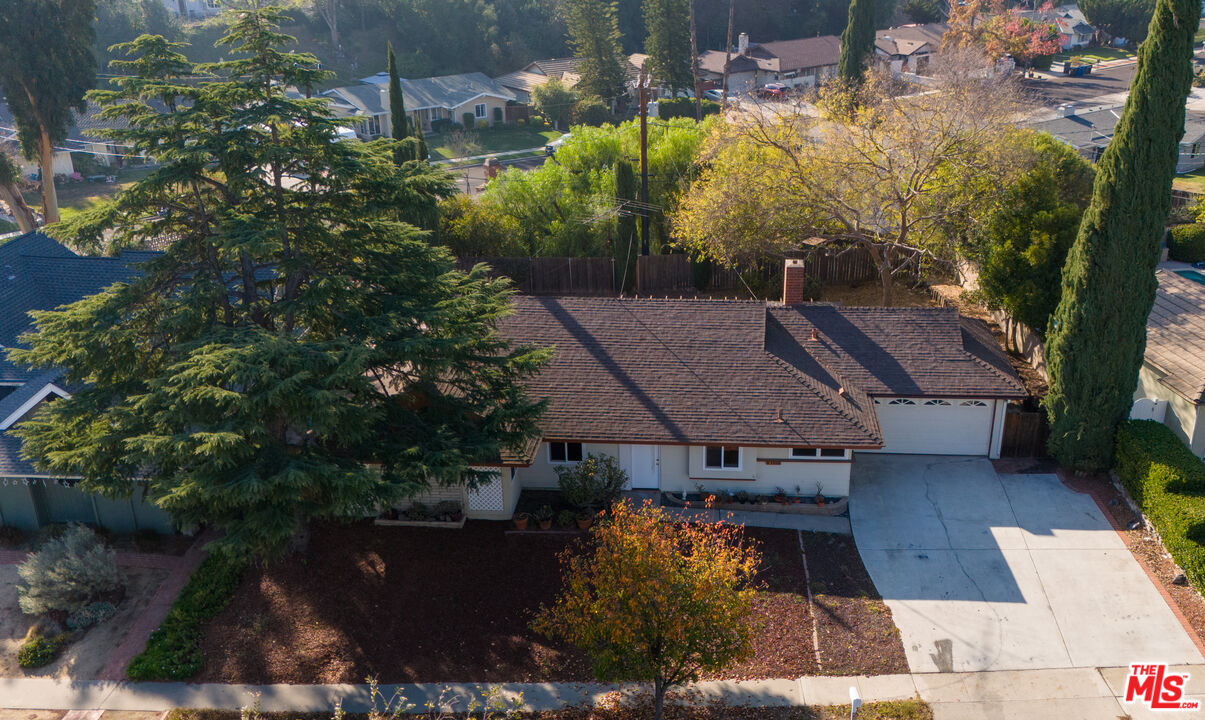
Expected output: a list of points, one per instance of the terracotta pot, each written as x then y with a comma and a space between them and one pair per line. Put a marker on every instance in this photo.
521, 521
819, 500
584, 521
546, 524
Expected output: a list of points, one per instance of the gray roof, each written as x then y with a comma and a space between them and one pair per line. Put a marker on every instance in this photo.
362, 99
1095, 128
39, 273
1175, 334
447, 91
909, 39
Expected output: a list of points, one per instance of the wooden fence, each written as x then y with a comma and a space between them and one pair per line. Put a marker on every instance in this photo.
552, 275
1181, 198
1025, 433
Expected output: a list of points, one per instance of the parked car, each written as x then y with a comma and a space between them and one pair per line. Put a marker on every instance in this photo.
714, 94
774, 91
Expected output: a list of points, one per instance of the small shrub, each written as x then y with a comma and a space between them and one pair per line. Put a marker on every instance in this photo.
446, 510
594, 482
418, 511
67, 573
39, 651
591, 110
442, 125
10, 536
1187, 243
565, 518
468, 119
498, 115
91, 614
173, 651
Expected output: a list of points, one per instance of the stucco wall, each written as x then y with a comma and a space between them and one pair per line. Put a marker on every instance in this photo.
490, 104
1183, 417
682, 468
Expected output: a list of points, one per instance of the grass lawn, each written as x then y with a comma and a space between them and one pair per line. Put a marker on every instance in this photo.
1193, 181
502, 138
897, 710
1091, 56
433, 605
75, 197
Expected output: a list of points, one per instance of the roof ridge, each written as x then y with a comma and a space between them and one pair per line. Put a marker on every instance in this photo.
980, 361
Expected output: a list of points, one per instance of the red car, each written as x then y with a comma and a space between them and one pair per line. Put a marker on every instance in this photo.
774, 91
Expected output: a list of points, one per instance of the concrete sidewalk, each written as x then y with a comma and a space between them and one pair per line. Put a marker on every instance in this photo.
1064, 694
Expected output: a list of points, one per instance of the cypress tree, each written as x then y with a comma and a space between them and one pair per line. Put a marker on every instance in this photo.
857, 42
1098, 333
397, 111
626, 246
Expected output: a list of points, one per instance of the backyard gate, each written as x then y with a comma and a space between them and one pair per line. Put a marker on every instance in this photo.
1025, 433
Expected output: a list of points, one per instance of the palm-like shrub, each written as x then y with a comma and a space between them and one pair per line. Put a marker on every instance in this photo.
68, 573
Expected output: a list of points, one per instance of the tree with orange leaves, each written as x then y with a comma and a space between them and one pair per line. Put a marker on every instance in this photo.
655, 600
1000, 31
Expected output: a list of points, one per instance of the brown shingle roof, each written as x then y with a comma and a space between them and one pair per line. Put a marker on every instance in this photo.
1175, 334
903, 351
799, 54
713, 371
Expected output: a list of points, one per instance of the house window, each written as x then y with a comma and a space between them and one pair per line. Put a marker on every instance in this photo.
564, 452
1196, 149
722, 457
479, 111
902, 401
941, 403
817, 452
832, 452
374, 125
804, 452
973, 403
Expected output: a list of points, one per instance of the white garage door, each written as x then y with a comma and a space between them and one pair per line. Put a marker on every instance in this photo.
929, 426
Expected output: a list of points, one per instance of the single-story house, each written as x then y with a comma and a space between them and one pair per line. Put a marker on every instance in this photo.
1171, 382
747, 395
193, 8
41, 274
802, 62
427, 99
908, 48
523, 82
1070, 23
86, 135
1089, 132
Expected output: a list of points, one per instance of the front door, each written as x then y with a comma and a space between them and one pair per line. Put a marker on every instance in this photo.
642, 464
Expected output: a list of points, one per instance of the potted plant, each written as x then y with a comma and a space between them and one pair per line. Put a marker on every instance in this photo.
544, 517
565, 518
585, 519
521, 520
723, 497
819, 495
780, 496
742, 497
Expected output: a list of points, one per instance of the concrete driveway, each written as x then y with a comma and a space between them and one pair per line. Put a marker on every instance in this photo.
1013, 572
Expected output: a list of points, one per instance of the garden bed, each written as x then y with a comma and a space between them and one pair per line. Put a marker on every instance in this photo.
415, 605
795, 506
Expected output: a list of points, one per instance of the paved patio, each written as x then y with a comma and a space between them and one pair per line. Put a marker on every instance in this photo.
985, 572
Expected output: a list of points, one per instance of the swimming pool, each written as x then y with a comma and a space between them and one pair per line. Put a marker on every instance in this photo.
1194, 275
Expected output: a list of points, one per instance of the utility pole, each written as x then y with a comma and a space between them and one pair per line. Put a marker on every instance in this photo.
694, 64
644, 163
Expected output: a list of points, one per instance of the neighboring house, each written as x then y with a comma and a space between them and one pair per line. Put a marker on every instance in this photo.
193, 8
1171, 383
1070, 23
427, 99
38, 273
1090, 132
747, 395
523, 82
803, 62
86, 135
909, 48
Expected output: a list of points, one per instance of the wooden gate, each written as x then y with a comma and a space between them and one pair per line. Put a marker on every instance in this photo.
1025, 434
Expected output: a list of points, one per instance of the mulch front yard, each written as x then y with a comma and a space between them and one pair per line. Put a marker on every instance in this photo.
426, 605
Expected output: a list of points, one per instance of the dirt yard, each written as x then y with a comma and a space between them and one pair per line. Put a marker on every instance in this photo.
86, 657
424, 605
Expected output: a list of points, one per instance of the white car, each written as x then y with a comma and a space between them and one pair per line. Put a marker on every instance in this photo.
714, 94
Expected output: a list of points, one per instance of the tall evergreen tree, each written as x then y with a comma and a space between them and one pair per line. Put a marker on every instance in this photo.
668, 43
594, 35
626, 246
408, 147
299, 350
857, 42
46, 66
1098, 333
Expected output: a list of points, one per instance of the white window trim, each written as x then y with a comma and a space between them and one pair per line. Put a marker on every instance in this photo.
740, 459
566, 461
792, 454
484, 110
902, 402
29, 404
937, 403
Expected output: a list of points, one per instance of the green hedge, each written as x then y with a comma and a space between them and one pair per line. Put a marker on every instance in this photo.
173, 651
39, 651
1168, 483
1187, 243
684, 107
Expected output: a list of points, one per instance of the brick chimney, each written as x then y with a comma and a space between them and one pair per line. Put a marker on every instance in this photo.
793, 275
